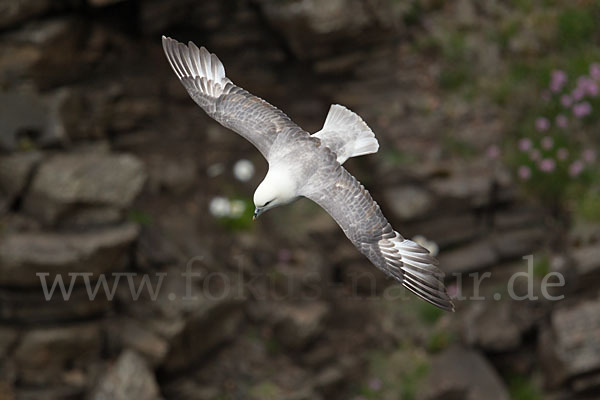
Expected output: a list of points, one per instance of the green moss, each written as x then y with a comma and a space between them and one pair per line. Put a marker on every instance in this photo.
541, 266
243, 221
399, 158
588, 206
140, 217
428, 313
459, 147
439, 340
266, 391
401, 374
520, 388
414, 15
576, 26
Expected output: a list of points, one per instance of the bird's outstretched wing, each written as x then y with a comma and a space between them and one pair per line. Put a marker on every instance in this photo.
361, 219
203, 76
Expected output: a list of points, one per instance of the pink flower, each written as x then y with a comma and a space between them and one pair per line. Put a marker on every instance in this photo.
524, 144
592, 88
562, 121
542, 124
595, 71
375, 384
580, 110
576, 168
535, 155
578, 93
547, 165
524, 172
589, 156
452, 290
547, 142
566, 100
493, 152
557, 80
562, 154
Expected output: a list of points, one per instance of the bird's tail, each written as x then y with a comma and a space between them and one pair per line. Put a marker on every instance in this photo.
346, 134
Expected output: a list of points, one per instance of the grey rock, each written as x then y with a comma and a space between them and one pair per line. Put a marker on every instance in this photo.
472, 188
43, 354
129, 378
409, 202
514, 244
463, 374
465, 13
304, 23
71, 182
469, 258
572, 346
587, 261
22, 255
138, 336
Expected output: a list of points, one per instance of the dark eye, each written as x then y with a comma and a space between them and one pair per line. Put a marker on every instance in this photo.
267, 203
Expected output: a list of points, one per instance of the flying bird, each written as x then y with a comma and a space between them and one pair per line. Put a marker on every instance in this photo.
305, 165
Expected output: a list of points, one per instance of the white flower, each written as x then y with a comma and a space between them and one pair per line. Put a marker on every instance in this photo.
220, 207
243, 170
237, 208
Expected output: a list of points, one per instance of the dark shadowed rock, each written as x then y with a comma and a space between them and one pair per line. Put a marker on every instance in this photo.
174, 176
43, 355
15, 12
481, 327
15, 172
129, 378
8, 337
197, 321
104, 3
299, 324
449, 230
463, 374
22, 255
31, 306
71, 183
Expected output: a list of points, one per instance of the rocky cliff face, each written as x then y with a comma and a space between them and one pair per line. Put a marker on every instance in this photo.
109, 172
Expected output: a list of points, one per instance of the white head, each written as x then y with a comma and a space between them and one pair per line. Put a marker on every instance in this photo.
278, 188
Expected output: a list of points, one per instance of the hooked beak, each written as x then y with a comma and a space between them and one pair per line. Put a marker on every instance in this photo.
257, 212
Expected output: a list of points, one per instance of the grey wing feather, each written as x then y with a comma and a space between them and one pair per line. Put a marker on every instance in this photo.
361, 219
203, 76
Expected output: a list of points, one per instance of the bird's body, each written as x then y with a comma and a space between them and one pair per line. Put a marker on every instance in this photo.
305, 165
